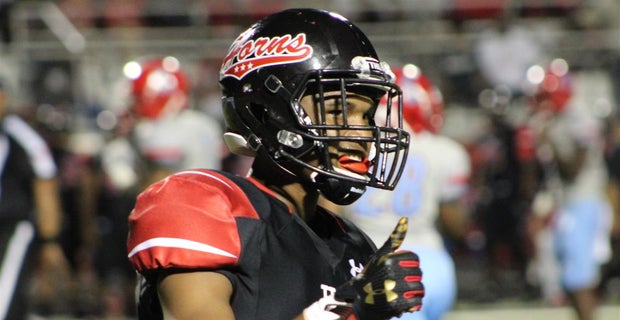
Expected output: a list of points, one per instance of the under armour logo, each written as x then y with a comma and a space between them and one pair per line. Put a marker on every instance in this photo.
355, 269
387, 291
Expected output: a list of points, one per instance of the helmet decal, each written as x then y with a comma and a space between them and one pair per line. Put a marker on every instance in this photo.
246, 55
369, 66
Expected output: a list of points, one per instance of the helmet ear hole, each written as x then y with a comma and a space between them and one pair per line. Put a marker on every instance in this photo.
259, 113
244, 121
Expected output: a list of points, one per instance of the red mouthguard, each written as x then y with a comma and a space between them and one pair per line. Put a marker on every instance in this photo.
360, 167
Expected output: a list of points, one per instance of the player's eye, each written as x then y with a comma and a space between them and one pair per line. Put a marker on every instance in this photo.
335, 112
333, 106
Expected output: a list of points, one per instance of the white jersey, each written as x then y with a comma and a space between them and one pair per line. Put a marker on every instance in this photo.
577, 128
437, 170
188, 140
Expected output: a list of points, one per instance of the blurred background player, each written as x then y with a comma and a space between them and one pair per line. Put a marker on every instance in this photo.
611, 271
158, 134
571, 203
502, 184
30, 221
169, 134
430, 193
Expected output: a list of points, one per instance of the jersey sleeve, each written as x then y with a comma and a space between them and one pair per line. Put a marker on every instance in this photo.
188, 221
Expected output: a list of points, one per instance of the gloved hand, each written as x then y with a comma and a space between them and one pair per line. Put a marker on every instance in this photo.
390, 284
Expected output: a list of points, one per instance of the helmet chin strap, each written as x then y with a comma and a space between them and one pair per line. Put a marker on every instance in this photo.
338, 191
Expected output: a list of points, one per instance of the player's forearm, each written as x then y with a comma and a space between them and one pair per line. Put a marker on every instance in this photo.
48, 209
454, 219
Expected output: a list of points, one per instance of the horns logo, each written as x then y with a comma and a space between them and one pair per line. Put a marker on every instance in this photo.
246, 55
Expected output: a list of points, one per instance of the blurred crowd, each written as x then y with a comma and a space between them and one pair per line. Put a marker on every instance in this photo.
541, 135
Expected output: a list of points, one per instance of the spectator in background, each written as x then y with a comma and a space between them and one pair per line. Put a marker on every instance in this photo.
30, 220
569, 148
81, 13
123, 14
504, 51
159, 134
430, 194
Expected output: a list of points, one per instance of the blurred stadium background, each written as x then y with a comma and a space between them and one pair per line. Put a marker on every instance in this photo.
65, 57
64, 62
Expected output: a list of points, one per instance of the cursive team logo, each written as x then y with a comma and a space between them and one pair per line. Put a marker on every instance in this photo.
246, 55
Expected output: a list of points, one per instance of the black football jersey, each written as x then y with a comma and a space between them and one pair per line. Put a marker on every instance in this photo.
208, 220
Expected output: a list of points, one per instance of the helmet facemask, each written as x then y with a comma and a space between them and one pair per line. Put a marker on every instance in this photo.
320, 139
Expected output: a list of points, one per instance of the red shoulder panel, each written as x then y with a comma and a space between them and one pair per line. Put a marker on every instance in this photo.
187, 220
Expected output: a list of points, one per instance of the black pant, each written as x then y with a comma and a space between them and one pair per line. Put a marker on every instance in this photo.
16, 261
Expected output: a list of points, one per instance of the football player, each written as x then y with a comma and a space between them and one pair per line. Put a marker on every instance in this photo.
169, 134
576, 213
31, 219
430, 193
300, 91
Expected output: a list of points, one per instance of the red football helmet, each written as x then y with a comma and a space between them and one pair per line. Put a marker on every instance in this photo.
422, 102
158, 86
552, 86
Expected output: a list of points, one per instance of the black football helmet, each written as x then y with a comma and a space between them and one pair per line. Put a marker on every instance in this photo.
300, 52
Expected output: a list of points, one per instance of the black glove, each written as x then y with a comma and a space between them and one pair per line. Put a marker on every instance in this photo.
390, 284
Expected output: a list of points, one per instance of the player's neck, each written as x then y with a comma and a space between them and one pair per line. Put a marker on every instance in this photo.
301, 198
304, 200
296, 197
